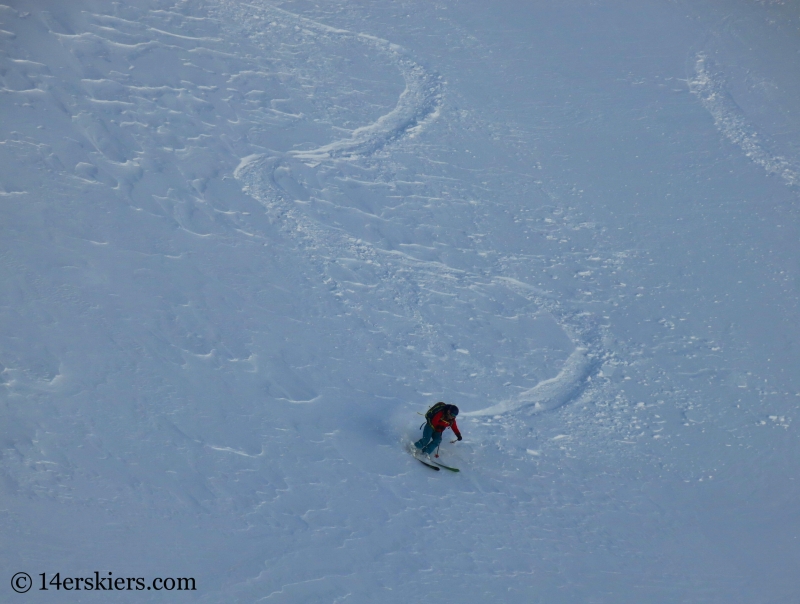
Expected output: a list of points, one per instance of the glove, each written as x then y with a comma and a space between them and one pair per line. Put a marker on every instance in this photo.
458, 437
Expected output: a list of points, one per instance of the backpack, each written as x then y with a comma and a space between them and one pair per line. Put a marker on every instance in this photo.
434, 410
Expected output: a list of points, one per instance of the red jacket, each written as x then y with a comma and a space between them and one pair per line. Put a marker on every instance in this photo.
440, 424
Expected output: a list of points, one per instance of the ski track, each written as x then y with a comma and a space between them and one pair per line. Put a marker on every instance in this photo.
418, 104
709, 86
400, 277
552, 393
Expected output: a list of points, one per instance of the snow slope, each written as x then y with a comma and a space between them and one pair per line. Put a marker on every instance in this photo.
243, 244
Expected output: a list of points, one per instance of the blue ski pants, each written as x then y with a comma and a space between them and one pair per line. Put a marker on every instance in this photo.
429, 441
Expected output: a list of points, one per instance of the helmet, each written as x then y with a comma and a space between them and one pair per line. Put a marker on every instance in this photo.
452, 410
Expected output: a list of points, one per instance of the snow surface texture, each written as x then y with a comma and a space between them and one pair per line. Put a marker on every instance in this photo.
244, 244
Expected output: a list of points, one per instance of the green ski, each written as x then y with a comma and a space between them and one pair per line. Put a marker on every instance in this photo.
446, 467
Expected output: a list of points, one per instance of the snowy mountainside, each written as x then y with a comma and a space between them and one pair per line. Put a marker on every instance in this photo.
243, 244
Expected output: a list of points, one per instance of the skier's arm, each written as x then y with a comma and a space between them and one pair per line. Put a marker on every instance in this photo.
454, 426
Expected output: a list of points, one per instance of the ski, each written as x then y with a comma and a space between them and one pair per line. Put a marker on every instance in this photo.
446, 467
425, 463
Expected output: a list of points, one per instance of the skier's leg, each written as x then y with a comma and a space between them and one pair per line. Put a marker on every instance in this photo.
435, 441
427, 434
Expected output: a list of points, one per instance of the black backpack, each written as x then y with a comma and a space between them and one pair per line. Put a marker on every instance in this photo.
434, 410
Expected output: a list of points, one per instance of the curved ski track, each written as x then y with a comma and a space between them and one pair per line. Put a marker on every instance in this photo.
274, 179
708, 85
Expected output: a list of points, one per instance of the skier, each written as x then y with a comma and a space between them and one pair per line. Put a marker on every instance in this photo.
440, 417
